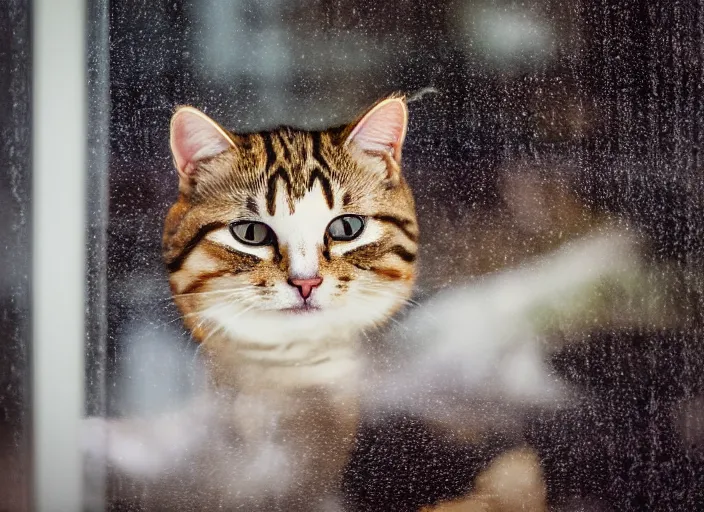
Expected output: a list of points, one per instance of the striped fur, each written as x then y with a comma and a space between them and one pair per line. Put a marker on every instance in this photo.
269, 177
292, 360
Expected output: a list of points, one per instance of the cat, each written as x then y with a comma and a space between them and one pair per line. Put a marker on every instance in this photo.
282, 249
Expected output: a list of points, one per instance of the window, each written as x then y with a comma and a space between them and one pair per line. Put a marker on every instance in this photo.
553, 150
15, 236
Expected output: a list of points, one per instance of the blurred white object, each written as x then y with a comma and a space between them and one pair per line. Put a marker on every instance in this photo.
158, 373
475, 356
472, 360
507, 35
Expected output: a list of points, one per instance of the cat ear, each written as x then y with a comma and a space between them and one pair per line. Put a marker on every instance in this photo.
195, 137
381, 131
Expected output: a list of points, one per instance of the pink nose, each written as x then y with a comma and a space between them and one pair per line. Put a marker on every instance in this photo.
305, 286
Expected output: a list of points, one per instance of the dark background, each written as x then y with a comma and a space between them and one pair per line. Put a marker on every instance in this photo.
603, 95
608, 90
15, 261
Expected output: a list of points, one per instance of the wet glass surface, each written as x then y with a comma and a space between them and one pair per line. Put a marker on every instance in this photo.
15, 261
550, 144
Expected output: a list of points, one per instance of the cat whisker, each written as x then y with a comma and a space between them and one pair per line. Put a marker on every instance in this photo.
196, 353
194, 313
212, 333
239, 314
222, 326
385, 293
216, 307
400, 324
210, 292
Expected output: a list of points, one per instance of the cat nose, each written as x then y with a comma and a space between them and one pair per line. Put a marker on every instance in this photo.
305, 286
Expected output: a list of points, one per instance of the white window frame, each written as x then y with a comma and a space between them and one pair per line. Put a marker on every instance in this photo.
59, 117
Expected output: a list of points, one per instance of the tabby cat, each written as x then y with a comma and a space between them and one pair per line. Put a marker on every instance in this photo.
282, 248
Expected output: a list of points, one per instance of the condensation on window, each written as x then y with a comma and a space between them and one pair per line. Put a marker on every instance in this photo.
15, 260
554, 336
553, 150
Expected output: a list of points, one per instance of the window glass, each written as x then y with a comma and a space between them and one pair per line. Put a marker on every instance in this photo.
553, 151
15, 260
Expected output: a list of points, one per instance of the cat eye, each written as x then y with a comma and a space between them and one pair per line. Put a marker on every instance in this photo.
252, 233
346, 227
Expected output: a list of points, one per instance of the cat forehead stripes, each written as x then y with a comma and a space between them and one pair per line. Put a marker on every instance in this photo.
295, 163
290, 218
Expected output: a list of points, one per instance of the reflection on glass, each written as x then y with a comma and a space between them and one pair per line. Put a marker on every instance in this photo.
553, 335
15, 257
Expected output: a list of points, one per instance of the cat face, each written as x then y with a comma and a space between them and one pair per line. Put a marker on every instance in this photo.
290, 234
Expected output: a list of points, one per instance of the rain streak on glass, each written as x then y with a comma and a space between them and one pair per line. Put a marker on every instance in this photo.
554, 335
